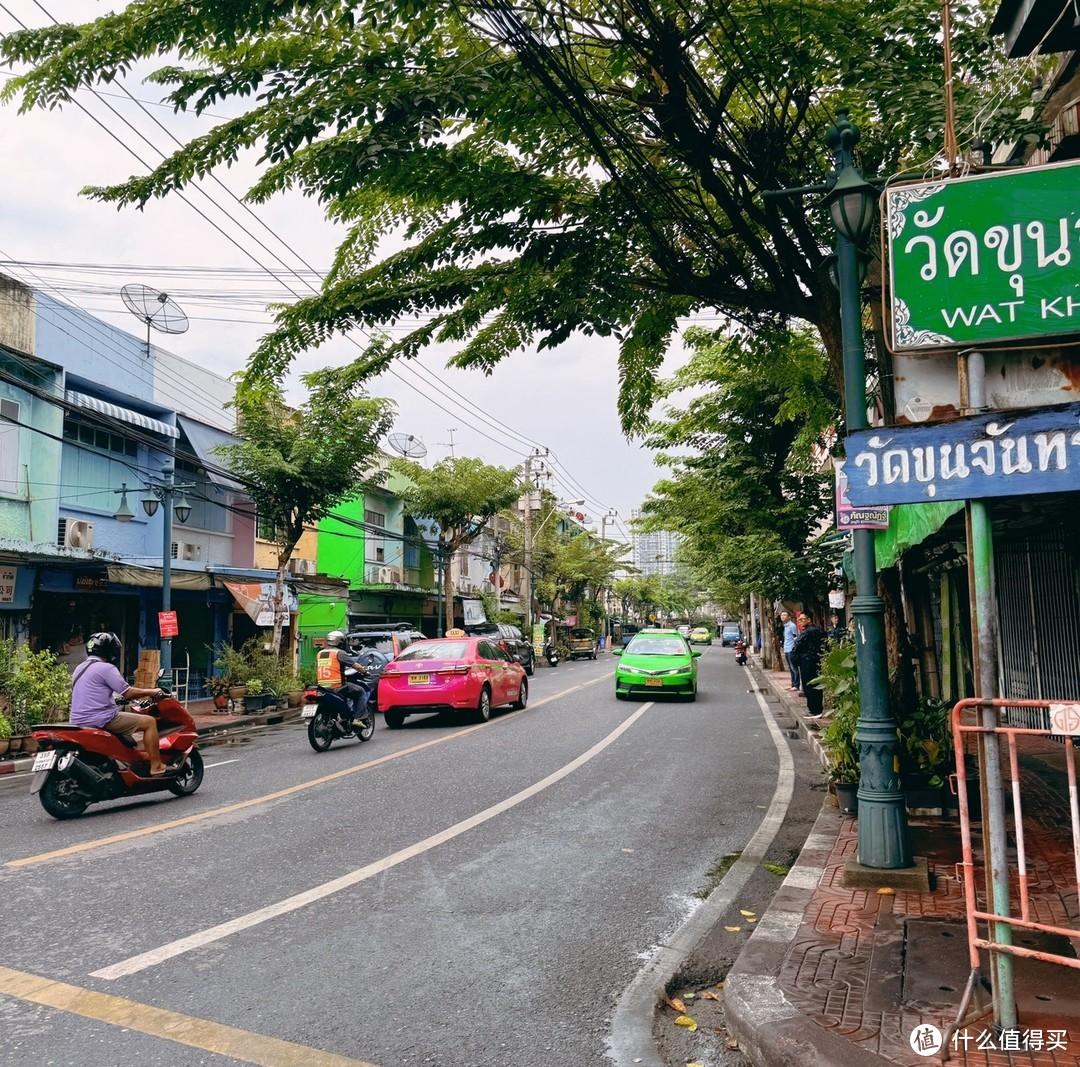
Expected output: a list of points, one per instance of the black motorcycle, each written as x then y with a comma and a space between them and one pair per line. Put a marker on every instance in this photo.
551, 654
330, 712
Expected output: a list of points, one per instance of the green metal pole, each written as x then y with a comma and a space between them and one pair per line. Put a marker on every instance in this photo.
166, 570
883, 836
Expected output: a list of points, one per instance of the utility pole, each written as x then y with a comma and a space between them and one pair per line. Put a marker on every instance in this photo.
534, 469
450, 444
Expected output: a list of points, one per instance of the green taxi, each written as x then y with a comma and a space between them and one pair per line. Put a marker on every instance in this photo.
656, 661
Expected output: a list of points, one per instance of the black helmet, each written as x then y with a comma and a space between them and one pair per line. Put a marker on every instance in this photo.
105, 646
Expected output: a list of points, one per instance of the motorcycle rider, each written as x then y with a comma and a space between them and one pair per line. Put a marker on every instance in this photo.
95, 683
330, 664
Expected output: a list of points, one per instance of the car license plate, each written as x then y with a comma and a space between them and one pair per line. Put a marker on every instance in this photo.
419, 679
309, 711
45, 761
654, 681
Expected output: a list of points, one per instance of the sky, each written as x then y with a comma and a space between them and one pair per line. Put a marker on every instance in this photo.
222, 261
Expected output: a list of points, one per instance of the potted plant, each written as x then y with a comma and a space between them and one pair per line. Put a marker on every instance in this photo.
255, 697
840, 682
926, 754
218, 687
5, 734
39, 690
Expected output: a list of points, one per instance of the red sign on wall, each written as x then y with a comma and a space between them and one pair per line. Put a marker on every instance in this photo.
166, 621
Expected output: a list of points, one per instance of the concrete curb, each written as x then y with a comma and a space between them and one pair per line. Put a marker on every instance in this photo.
770, 1030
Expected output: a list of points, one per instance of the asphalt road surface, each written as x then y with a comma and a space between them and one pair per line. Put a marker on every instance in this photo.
448, 894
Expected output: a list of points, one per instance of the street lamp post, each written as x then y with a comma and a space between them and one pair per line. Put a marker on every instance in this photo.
161, 492
882, 828
529, 542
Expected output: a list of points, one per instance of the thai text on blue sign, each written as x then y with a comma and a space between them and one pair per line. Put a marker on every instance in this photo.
984, 259
849, 517
998, 454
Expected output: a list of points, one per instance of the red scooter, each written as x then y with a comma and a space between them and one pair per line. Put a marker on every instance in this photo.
77, 766
740, 652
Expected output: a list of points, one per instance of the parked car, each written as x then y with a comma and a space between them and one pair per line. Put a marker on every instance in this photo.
684, 629
700, 635
628, 632
656, 661
387, 638
730, 632
455, 673
510, 639
582, 641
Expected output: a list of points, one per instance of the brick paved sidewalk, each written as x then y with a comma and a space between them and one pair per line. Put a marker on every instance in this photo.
841, 975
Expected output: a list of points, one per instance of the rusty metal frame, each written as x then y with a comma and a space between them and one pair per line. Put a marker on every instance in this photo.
966, 868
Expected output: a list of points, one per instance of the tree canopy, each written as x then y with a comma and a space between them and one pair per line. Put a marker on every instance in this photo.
509, 173
745, 455
460, 495
300, 463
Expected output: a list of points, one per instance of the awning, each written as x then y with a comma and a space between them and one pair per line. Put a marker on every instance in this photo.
257, 599
204, 441
150, 577
114, 411
909, 525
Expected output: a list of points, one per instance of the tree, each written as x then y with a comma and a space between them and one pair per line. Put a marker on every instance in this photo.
550, 167
298, 464
460, 496
745, 488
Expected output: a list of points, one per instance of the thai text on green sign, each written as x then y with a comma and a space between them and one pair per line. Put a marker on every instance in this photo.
985, 259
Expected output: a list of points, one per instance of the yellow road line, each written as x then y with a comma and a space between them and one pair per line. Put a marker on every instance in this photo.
202, 1034
188, 820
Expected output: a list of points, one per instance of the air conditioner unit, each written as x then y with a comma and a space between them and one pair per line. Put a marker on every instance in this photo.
188, 550
388, 575
301, 567
78, 533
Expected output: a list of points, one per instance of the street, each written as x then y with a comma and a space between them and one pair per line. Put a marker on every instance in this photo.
444, 894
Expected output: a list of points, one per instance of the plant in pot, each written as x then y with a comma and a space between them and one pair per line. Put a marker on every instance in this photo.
5, 734
218, 687
926, 754
255, 696
840, 682
39, 691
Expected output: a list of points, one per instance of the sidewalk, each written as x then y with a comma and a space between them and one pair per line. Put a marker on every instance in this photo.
207, 721
843, 976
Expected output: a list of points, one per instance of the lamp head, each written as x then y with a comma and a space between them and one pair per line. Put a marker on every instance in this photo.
123, 513
150, 505
182, 509
851, 203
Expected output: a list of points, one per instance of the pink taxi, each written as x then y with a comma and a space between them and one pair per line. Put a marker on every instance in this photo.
452, 673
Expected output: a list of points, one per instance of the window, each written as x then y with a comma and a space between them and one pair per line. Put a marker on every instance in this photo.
94, 463
375, 518
265, 529
9, 447
380, 555
206, 499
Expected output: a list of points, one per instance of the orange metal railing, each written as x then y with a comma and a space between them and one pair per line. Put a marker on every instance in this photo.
1064, 722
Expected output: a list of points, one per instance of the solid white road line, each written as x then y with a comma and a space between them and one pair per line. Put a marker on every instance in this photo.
631, 1040
243, 922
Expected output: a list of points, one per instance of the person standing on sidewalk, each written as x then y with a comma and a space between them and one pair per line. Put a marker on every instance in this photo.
806, 655
789, 631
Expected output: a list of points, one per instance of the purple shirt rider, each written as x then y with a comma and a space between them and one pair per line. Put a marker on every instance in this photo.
93, 694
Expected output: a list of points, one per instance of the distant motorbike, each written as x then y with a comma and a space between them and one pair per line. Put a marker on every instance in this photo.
551, 654
740, 653
330, 713
77, 766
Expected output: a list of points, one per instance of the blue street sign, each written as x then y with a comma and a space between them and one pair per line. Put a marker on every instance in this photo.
996, 454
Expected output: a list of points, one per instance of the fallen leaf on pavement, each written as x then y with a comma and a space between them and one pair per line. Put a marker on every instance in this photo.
677, 1004
733, 929
751, 920
685, 1020
748, 914
732, 1043
885, 891
710, 995
695, 1063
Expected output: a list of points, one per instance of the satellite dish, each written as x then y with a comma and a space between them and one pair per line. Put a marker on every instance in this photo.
155, 308
406, 444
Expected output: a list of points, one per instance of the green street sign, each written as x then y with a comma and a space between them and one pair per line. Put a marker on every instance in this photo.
978, 260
